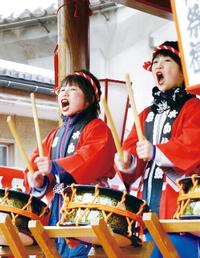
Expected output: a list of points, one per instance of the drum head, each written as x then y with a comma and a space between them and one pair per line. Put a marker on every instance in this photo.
91, 203
132, 203
19, 199
13, 203
187, 183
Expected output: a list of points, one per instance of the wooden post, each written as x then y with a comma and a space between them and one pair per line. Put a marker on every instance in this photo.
77, 35
62, 45
11, 236
43, 240
159, 235
109, 244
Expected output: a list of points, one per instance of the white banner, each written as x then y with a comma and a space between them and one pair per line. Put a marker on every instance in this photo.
187, 19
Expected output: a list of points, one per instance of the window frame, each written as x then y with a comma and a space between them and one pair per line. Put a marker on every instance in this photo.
10, 145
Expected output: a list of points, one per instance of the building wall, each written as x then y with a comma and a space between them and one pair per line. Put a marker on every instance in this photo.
121, 42
26, 131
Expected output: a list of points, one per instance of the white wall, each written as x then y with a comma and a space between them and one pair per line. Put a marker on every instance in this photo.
43, 62
120, 42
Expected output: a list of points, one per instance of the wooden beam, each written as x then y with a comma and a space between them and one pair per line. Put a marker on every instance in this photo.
30, 250
150, 7
74, 232
107, 241
159, 235
177, 226
46, 244
129, 251
105, 237
10, 234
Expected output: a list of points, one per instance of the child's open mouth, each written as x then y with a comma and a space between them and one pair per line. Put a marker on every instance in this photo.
160, 78
65, 104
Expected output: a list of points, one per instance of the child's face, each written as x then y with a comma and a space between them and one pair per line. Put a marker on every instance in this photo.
166, 72
71, 100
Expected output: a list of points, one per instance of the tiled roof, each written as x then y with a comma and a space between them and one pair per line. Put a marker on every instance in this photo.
26, 72
26, 75
39, 12
21, 73
29, 14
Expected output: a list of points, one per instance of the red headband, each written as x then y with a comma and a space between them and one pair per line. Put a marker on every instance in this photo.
147, 65
87, 77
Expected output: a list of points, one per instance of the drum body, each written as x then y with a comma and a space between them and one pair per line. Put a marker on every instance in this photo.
189, 198
21, 207
87, 204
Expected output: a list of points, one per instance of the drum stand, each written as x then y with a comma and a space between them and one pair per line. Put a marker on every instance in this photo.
110, 249
158, 228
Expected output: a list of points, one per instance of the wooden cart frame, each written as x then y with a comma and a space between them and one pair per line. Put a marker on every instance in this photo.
45, 246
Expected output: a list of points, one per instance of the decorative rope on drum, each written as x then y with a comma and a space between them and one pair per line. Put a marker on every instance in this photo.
78, 206
9, 204
21, 207
189, 197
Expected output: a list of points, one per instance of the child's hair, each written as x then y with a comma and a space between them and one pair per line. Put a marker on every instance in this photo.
165, 52
90, 86
168, 48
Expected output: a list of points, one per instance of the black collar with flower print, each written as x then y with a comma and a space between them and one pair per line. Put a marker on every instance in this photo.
171, 99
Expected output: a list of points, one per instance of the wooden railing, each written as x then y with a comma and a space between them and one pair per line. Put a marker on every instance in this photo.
109, 248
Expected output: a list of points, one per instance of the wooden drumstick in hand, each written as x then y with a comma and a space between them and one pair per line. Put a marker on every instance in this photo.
37, 129
19, 144
134, 109
113, 129
59, 117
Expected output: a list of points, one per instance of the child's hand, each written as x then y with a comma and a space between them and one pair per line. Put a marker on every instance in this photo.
35, 179
44, 165
123, 164
144, 150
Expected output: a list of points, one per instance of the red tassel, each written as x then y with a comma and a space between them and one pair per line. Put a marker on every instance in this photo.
89, 9
76, 8
147, 65
56, 86
89, 12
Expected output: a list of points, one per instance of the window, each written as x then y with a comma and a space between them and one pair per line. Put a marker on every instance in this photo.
3, 155
6, 152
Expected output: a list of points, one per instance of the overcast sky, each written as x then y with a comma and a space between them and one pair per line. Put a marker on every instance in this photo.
17, 6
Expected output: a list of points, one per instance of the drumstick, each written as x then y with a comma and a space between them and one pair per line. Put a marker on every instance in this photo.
59, 117
37, 129
134, 109
113, 129
18, 142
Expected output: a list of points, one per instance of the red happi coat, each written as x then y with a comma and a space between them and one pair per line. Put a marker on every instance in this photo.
182, 149
92, 159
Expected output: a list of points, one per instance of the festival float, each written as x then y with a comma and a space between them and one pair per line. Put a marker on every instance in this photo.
107, 219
